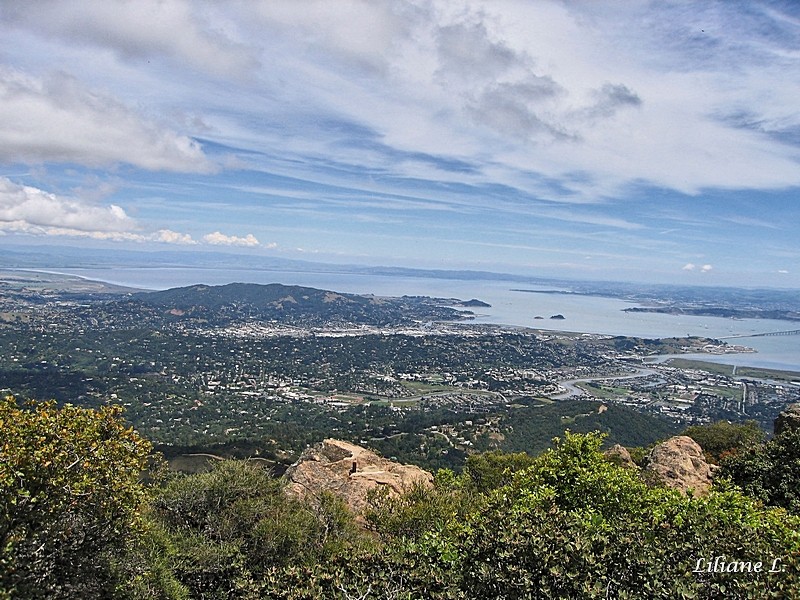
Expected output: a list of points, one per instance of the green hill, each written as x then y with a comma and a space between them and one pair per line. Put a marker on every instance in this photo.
292, 303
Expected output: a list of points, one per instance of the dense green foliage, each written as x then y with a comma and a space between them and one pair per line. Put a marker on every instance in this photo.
532, 427
769, 471
725, 438
568, 523
565, 524
70, 498
576, 526
228, 530
490, 470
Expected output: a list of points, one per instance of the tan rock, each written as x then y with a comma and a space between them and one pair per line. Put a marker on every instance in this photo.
349, 472
679, 463
619, 455
788, 420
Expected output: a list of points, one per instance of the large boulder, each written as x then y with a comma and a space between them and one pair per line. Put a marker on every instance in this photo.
679, 463
349, 472
788, 420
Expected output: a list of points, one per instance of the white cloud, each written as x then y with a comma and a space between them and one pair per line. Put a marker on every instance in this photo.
109, 236
56, 119
511, 87
360, 33
172, 237
693, 267
29, 205
191, 33
550, 88
220, 239
30, 210
481, 113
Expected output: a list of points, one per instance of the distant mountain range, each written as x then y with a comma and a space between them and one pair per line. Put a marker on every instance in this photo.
54, 257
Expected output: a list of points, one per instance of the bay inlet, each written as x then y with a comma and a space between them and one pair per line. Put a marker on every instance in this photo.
509, 306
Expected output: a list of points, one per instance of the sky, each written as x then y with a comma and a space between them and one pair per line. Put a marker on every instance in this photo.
586, 139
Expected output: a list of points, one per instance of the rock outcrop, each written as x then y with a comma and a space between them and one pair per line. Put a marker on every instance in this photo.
679, 463
619, 455
349, 472
788, 419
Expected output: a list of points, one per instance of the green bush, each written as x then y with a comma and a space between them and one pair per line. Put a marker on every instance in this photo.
75, 523
234, 526
70, 498
576, 526
770, 471
490, 470
724, 438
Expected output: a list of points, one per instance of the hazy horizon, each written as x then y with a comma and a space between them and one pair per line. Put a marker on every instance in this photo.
70, 259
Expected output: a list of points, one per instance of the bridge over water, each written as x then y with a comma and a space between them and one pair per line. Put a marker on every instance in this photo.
765, 334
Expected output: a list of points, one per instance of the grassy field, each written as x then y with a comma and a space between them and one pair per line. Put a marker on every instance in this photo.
602, 391
720, 369
421, 388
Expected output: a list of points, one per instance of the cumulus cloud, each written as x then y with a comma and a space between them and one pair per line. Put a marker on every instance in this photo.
467, 51
29, 205
693, 267
168, 236
499, 87
617, 102
515, 109
57, 119
220, 239
29, 210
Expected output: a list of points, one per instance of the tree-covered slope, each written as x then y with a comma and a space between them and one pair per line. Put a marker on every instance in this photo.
289, 303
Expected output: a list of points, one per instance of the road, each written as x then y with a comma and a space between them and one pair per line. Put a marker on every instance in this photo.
573, 390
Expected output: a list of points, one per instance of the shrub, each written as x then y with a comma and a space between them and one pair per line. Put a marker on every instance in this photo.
70, 498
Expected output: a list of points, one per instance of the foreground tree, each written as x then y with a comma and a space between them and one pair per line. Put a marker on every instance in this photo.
233, 530
724, 438
769, 471
70, 498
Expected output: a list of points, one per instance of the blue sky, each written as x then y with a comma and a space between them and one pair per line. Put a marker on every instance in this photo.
646, 141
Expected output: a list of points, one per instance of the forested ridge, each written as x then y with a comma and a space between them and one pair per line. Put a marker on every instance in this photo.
88, 511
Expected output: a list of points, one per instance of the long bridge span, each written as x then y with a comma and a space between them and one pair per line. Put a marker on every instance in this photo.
765, 334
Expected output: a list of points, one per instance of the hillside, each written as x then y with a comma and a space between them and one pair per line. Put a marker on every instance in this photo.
290, 303
264, 297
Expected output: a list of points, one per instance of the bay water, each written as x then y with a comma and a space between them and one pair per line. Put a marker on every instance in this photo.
509, 306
